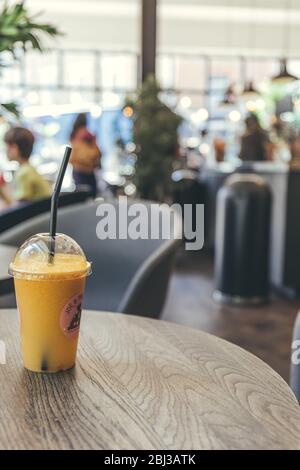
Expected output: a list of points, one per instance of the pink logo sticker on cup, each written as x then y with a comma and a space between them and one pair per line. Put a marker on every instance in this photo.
70, 317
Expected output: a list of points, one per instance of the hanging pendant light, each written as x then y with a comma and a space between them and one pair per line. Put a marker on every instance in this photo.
229, 97
250, 92
284, 77
250, 97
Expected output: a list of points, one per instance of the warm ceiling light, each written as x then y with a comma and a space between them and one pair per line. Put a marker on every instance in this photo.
185, 102
32, 97
204, 148
260, 104
251, 106
234, 116
96, 111
128, 111
200, 116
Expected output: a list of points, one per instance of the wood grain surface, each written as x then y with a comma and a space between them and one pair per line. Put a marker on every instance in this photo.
145, 384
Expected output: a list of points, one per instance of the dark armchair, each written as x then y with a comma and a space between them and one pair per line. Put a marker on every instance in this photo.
26, 210
129, 276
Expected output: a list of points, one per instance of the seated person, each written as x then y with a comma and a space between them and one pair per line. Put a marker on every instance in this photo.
29, 184
254, 141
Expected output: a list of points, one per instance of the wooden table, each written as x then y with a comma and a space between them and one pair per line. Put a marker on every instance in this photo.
7, 253
145, 384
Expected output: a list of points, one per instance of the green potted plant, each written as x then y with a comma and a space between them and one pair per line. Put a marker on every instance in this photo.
19, 30
155, 129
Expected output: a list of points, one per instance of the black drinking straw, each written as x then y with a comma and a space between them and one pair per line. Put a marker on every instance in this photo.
54, 202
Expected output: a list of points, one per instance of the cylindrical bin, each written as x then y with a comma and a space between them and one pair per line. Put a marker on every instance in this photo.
188, 189
242, 240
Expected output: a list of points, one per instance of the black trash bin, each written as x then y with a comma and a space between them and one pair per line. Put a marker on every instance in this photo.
188, 189
242, 240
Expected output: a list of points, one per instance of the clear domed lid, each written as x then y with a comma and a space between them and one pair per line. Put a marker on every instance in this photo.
33, 260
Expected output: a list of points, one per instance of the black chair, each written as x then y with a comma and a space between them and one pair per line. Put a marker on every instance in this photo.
129, 276
26, 210
295, 362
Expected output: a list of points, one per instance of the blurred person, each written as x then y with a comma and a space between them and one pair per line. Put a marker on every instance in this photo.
280, 139
29, 184
85, 156
254, 141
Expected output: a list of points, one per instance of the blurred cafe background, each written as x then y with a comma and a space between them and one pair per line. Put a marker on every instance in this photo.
187, 101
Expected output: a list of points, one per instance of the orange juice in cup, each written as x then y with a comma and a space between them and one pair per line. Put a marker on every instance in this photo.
49, 298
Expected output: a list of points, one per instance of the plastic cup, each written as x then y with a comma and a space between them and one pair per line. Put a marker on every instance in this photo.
49, 298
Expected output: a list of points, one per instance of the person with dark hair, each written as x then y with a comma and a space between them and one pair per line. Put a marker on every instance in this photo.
29, 184
80, 124
85, 156
254, 142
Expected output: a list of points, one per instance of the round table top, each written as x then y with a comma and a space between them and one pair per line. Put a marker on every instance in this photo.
145, 384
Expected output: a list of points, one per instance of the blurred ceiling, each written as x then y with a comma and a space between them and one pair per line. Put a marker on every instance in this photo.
243, 27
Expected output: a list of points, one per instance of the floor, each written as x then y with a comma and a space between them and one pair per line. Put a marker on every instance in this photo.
265, 331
